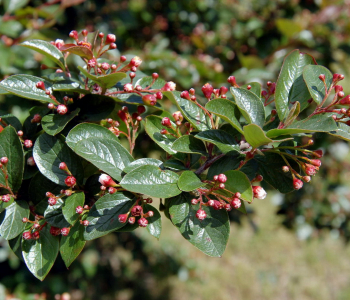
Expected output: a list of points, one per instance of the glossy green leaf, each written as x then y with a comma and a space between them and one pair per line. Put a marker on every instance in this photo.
190, 111
224, 141
189, 144
16, 246
255, 136
151, 181
81, 51
25, 86
69, 85
4, 205
55, 123
72, 244
174, 164
94, 108
69, 206
54, 215
255, 87
40, 255
225, 109
250, 106
210, 235
105, 81
154, 226
12, 120
317, 123
144, 82
314, 84
11, 219
293, 114
49, 151
343, 132
237, 181
143, 162
11, 147
106, 154
38, 187
13, 5
189, 181
103, 216
46, 49
290, 86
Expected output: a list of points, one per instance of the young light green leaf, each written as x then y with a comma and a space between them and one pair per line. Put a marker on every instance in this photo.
103, 216
250, 106
314, 84
11, 219
72, 244
11, 147
225, 109
55, 123
70, 205
143, 162
49, 151
154, 226
255, 136
40, 255
223, 140
209, 235
189, 144
189, 181
25, 86
290, 86
105, 81
46, 49
151, 181
237, 181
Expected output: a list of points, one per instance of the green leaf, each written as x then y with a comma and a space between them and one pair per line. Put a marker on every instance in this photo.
72, 244
225, 109
189, 144
69, 85
81, 51
53, 124
10, 119
104, 81
40, 255
237, 181
317, 123
4, 205
106, 154
94, 108
103, 216
290, 86
255, 87
143, 162
13, 5
11, 147
250, 106
144, 82
223, 140
11, 219
314, 84
255, 136
154, 226
69, 206
16, 246
210, 235
38, 187
54, 215
153, 127
46, 49
190, 111
151, 181
343, 131
174, 164
49, 151
293, 114
87, 130
25, 86
189, 181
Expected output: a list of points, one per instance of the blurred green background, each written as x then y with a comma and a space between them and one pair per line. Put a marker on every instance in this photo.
291, 246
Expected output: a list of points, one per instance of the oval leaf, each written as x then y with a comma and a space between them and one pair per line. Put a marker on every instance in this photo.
105, 81
53, 124
143, 162
189, 181
154, 226
255, 136
189, 144
54, 215
223, 140
69, 206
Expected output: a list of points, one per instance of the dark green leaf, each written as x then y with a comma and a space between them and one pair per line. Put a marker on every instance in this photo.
46, 49
189, 181
95, 107
143, 162
210, 235
16, 246
69, 85
104, 81
189, 144
11, 219
103, 216
255, 136
69, 206
54, 215
250, 106
38, 187
10, 119
11, 147
290, 86
190, 111
224, 141
225, 109
72, 244
154, 226
53, 124
25, 86
49, 151
314, 84
293, 114
343, 132
151, 181
174, 164
40, 255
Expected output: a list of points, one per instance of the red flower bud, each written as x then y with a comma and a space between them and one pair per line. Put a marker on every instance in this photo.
142, 222
166, 122
52, 201
338, 88
318, 153
55, 231
106, 180
36, 235
141, 109
159, 95
222, 178
201, 214
223, 90
4, 160
169, 86
149, 100
310, 170
73, 34
135, 62
322, 77
63, 166
122, 116
207, 90
164, 131
178, 116
79, 209
62, 109
28, 143
40, 85
5, 198
155, 76
259, 192
112, 190
136, 210
217, 205
316, 162
194, 201
132, 220
345, 100
236, 203
185, 95
122, 218
36, 118
65, 231
232, 80
128, 87
297, 184
70, 181
110, 38
27, 235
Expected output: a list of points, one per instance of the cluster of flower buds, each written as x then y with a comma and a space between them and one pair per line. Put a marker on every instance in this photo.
70, 179
271, 88
208, 91
5, 198
166, 122
137, 211
107, 182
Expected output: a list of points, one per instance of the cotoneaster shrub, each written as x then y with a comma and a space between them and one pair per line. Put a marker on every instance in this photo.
67, 175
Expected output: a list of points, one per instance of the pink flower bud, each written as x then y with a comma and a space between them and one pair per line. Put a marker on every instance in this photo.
31, 161
310, 170
40, 85
185, 95
112, 46
259, 192
307, 178
297, 184
132, 220
316, 162
79, 209
106, 180
322, 77
164, 131
27, 235
52, 201
36, 119
70, 181
159, 95
236, 203
128, 87
201, 214
73, 34
65, 231
135, 62
110, 38
217, 205
4, 160
105, 66
136, 211
232, 80
59, 43
122, 218
28, 143
62, 109
222, 178
86, 223
63, 166
194, 201
166, 122
169, 86
5, 198
149, 100
285, 169
112, 190
178, 116
142, 222
207, 90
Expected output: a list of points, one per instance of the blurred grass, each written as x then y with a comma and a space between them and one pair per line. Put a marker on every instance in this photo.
269, 264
